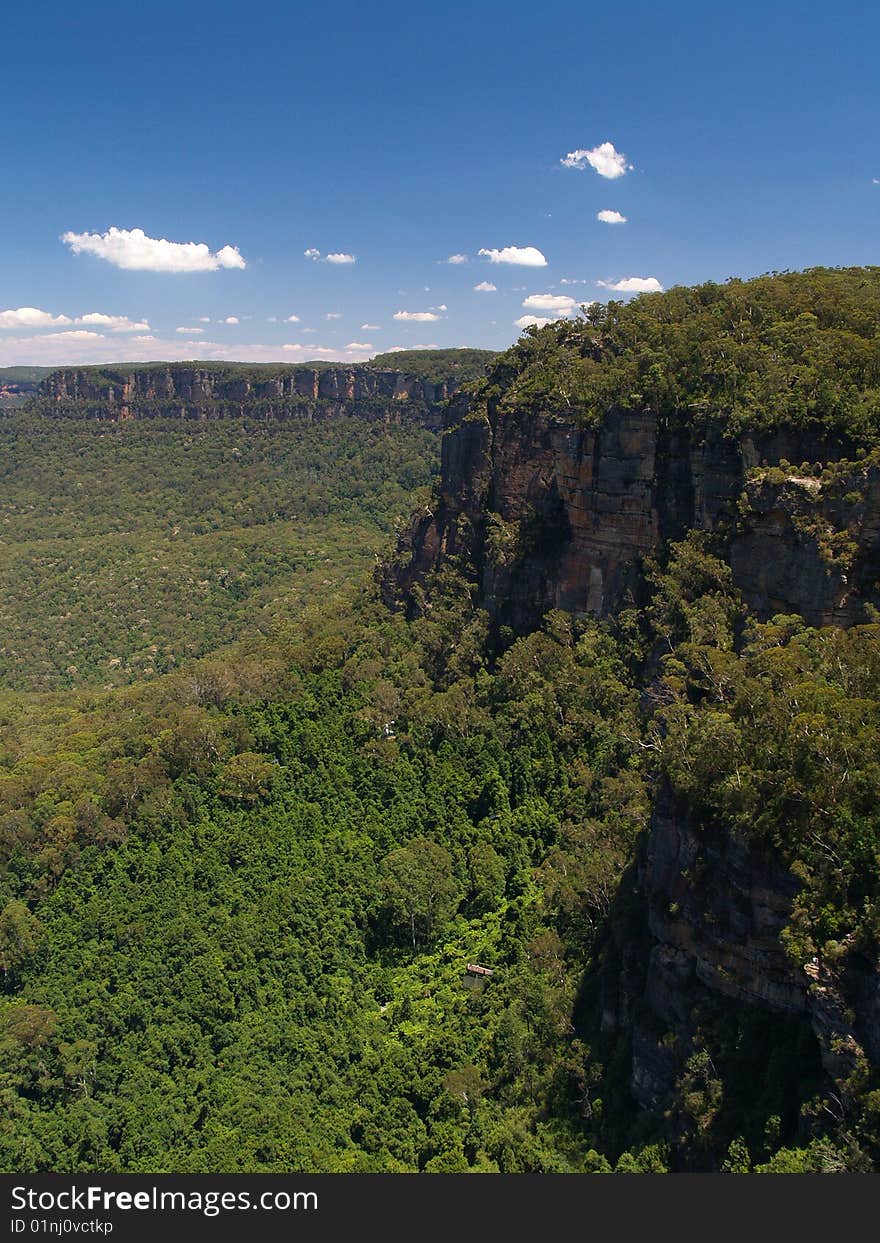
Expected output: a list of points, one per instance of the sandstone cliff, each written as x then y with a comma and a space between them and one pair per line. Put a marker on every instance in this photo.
549, 513
193, 392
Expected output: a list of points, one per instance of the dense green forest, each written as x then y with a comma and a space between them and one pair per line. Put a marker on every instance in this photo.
239, 898
795, 348
437, 365
128, 547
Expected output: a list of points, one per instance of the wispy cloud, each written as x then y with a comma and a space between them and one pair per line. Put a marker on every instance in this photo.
133, 250
456, 259
370, 328
116, 323
359, 346
485, 287
633, 284
333, 315
190, 332
604, 159
292, 319
419, 317
524, 256
610, 217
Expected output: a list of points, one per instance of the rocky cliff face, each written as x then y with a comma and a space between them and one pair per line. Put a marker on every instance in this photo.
551, 514
211, 393
711, 908
546, 513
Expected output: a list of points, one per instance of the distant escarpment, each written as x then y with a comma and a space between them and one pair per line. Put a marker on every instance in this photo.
749, 410
265, 391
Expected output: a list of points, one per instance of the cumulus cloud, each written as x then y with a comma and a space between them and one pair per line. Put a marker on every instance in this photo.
133, 250
31, 317
485, 287
532, 321
231, 319
610, 217
524, 256
116, 323
604, 159
190, 332
291, 319
456, 259
204, 319
550, 302
337, 256
419, 317
358, 345
333, 315
369, 327
633, 284
422, 345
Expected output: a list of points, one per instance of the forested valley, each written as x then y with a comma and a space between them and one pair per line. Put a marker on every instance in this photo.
255, 845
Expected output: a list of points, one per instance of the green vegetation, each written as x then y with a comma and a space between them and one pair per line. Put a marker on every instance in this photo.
128, 547
437, 365
238, 898
797, 348
20, 375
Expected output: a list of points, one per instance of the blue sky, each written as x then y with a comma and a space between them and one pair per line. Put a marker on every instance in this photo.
400, 134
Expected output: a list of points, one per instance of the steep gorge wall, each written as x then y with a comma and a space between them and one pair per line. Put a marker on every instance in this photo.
545, 513
211, 393
552, 514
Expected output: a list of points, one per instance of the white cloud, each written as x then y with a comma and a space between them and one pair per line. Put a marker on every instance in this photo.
566, 281
610, 217
550, 302
231, 319
30, 317
116, 323
633, 284
604, 159
359, 346
77, 334
420, 317
190, 332
456, 259
333, 315
532, 321
298, 347
204, 319
524, 256
370, 327
291, 319
485, 287
337, 256
422, 345
133, 250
